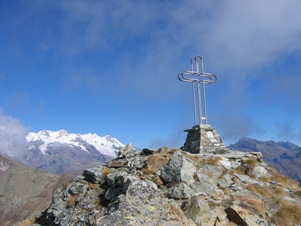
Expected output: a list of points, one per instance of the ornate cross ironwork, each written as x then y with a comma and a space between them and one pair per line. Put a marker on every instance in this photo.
199, 79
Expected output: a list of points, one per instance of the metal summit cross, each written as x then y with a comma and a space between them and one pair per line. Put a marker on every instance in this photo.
198, 78
201, 137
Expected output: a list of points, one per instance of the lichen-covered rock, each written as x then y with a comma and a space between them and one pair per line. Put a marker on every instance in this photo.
179, 169
143, 204
126, 150
94, 175
172, 187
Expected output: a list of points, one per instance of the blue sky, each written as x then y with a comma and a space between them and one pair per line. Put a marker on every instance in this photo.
110, 67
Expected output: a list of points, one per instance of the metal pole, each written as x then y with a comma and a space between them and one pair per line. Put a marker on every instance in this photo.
202, 65
199, 102
204, 100
194, 107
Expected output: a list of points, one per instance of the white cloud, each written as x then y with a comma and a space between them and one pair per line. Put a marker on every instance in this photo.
247, 34
90, 25
12, 136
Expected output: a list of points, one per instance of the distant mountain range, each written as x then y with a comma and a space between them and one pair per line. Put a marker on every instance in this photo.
284, 156
63, 152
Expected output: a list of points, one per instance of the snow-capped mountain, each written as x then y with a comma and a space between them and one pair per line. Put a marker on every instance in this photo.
45, 140
61, 152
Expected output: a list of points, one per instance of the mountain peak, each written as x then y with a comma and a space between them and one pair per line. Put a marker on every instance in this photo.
63, 132
50, 133
43, 133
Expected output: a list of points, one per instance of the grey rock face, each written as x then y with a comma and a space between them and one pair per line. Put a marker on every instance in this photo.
93, 175
126, 150
179, 169
173, 187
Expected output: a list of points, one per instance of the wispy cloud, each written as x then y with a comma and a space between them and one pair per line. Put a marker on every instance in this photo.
288, 131
234, 126
235, 37
159, 37
105, 24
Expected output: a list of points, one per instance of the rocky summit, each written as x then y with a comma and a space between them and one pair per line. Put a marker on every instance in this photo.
174, 187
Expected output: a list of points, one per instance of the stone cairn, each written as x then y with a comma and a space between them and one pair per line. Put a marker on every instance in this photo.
204, 138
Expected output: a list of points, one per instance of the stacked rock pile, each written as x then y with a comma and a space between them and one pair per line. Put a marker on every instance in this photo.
204, 138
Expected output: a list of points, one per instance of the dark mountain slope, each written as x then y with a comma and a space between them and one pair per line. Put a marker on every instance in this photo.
24, 192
